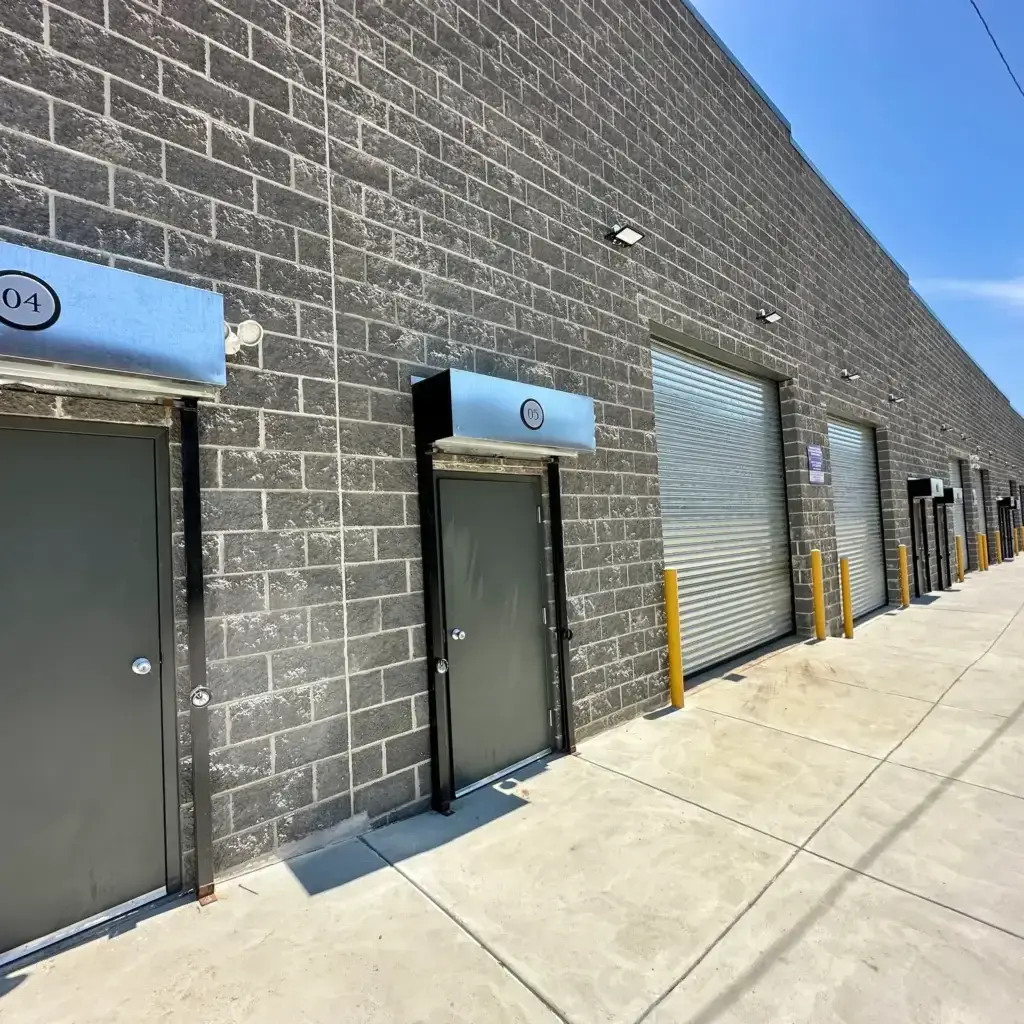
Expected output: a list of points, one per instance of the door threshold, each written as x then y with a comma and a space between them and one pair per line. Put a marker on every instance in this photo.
36, 945
503, 772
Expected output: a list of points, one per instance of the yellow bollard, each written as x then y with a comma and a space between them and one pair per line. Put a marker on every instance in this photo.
818, 594
959, 558
983, 551
844, 583
675, 639
904, 578
999, 548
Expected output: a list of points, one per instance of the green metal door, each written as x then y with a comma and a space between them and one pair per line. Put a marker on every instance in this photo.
82, 744
494, 602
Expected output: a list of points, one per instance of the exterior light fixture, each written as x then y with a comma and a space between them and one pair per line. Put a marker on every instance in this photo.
625, 235
944, 427
248, 333
963, 437
769, 316
896, 399
850, 375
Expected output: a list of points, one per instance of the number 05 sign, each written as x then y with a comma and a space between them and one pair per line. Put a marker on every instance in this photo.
27, 302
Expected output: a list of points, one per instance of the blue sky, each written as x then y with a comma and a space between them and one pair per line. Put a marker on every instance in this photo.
906, 109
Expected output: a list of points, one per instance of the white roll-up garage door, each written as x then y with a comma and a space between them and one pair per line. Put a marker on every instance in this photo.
723, 506
956, 479
858, 511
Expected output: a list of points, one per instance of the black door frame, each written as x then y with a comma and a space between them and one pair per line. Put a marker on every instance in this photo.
441, 749
942, 557
165, 603
919, 545
1004, 516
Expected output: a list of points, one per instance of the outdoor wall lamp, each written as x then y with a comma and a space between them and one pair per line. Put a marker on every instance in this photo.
625, 235
850, 375
944, 427
248, 333
963, 437
769, 316
896, 399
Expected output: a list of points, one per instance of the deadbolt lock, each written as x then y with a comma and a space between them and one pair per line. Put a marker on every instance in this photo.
458, 634
441, 666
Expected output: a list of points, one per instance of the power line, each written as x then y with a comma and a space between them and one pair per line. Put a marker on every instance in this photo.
1002, 56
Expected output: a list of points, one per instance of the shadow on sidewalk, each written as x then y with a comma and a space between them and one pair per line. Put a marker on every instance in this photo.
785, 943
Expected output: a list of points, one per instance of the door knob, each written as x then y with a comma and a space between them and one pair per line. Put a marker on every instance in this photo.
141, 666
458, 634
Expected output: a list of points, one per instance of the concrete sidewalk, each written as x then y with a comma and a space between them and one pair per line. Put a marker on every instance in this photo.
830, 833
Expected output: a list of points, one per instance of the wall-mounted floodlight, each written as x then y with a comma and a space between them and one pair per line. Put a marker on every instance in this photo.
850, 375
896, 399
248, 333
769, 316
963, 437
944, 427
625, 235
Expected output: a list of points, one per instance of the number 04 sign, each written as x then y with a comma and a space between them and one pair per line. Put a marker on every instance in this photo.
27, 302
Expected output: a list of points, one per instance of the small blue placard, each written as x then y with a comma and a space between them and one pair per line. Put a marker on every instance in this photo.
816, 463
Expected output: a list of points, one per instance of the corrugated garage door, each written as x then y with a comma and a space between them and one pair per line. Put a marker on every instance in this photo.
956, 479
723, 506
858, 510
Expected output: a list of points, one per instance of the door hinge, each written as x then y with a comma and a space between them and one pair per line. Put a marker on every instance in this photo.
544, 613
551, 717
539, 519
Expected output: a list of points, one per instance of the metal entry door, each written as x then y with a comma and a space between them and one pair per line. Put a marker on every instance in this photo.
858, 511
956, 479
979, 490
494, 601
81, 732
723, 505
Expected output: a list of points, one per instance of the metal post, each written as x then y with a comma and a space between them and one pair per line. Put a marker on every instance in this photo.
904, 578
199, 715
945, 544
844, 582
675, 639
927, 549
959, 558
442, 776
561, 605
818, 594
914, 545
938, 544
999, 547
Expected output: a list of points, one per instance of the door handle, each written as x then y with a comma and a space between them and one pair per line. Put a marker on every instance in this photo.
458, 634
141, 666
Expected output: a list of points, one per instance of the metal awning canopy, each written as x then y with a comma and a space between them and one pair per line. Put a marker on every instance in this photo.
470, 413
65, 321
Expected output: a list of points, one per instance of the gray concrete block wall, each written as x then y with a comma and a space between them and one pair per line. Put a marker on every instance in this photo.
391, 187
